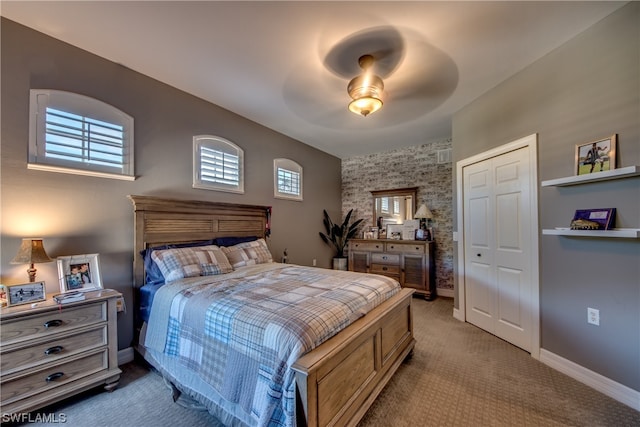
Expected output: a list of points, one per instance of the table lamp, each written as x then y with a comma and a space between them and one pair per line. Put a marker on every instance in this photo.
31, 252
424, 214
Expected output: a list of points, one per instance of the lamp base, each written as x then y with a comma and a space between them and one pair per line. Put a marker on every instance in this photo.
31, 271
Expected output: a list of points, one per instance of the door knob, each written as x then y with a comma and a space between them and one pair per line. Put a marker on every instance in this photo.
479, 254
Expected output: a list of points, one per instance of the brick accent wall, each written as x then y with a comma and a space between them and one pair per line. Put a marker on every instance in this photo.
406, 167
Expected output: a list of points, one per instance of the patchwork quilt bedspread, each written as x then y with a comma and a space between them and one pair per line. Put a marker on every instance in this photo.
241, 331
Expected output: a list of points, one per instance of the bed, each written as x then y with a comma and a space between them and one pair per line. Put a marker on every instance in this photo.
335, 377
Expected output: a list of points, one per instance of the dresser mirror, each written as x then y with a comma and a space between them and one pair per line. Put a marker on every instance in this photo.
393, 206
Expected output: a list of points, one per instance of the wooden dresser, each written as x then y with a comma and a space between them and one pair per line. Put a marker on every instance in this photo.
50, 352
411, 262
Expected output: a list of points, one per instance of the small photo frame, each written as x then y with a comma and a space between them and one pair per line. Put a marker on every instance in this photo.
596, 156
79, 273
3, 296
394, 231
594, 219
26, 293
408, 233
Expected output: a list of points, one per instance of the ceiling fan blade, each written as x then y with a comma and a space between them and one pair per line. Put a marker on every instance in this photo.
385, 44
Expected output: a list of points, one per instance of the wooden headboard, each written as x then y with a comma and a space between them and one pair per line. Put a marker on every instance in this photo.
159, 221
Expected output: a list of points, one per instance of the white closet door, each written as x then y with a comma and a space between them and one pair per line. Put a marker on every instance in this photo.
497, 218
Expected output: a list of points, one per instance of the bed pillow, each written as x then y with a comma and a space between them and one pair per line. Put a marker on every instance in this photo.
178, 263
153, 275
248, 253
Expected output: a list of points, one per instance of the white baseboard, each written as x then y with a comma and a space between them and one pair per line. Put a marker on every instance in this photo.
604, 385
457, 314
125, 355
445, 292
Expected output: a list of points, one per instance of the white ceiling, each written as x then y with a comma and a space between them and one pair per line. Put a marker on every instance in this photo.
286, 64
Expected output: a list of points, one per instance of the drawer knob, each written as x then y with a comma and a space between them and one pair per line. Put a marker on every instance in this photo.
54, 377
384, 268
53, 350
53, 323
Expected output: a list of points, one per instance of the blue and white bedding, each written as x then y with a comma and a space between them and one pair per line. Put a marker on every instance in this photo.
239, 333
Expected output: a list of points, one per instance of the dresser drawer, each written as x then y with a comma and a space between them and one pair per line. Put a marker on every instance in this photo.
406, 248
367, 246
384, 258
30, 327
52, 350
387, 270
21, 387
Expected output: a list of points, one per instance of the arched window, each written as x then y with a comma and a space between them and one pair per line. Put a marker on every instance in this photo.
76, 134
287, 179
218, 164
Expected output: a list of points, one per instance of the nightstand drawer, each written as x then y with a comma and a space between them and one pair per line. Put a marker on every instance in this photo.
390, 270
386, 258
21, 387
30, 327
52, 350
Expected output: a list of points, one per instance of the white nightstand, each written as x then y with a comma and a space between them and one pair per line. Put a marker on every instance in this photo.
50, 352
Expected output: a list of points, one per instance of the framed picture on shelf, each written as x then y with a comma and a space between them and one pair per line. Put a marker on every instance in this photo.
594, 219
79, 273
596, 156
26, 293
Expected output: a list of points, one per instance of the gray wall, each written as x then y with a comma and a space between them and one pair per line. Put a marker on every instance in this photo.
79, 215
406, 167
587, 89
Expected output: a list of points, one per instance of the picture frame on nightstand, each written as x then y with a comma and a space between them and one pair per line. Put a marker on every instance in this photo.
26, 293
79, 273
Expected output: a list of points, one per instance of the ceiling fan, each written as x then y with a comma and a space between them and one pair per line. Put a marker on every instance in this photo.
412, 78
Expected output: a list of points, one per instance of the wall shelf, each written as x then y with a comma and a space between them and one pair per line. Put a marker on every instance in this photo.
628, 233
619, 173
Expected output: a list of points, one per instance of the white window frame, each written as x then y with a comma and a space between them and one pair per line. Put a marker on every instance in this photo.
293, 168
87, 108
221, 145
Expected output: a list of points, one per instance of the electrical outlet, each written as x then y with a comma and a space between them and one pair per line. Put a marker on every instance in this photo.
314, 262
593, 316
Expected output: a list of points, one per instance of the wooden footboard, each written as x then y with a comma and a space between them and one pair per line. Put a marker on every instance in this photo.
338, 381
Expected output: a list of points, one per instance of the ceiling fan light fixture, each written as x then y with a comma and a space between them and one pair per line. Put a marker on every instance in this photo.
365, 105
365, 90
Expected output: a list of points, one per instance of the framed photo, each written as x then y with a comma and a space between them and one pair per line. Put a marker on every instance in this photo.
372, 233
3, 296
26, 293
79, 273
394, 231
423, 234
596, 156
594, 219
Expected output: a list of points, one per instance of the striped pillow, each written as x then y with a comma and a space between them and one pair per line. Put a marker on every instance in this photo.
249, 253
190, 262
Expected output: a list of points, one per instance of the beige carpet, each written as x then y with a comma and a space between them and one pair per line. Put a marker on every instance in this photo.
458, 376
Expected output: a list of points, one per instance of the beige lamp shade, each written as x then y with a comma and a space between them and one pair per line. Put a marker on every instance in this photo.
423, 212
31, 252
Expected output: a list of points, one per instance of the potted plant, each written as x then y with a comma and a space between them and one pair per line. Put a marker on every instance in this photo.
339, 235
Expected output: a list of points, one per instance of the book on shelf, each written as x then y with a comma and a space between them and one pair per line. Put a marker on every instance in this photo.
68, 297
